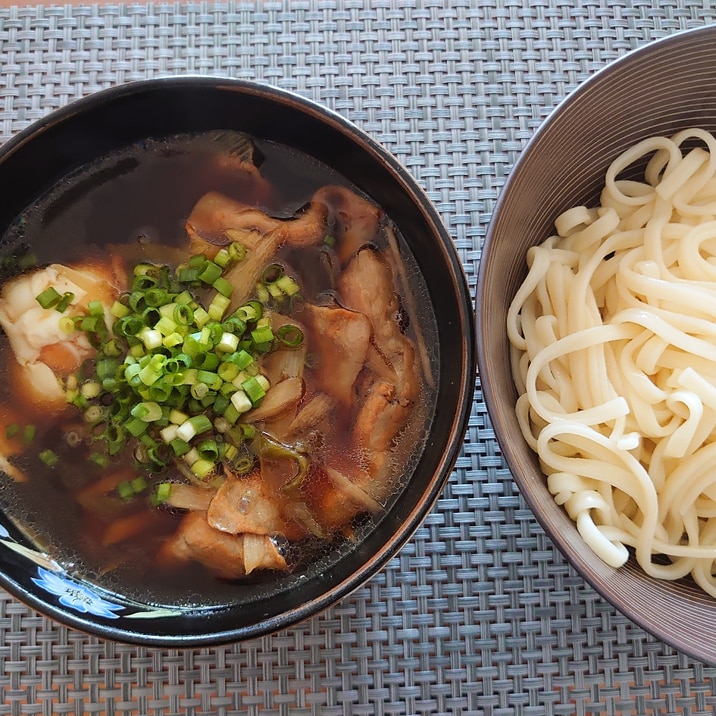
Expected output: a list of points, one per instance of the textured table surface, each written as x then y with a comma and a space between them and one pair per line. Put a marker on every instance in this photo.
479, 614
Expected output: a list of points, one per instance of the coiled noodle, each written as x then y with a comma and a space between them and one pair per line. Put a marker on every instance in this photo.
613, 349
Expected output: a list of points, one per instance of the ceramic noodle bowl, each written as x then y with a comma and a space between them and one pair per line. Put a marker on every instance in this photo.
237, 275
659, 89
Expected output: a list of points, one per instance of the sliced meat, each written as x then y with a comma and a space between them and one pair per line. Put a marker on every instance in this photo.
282, 397
381, 417
215, 216
315, 412
341, 338
356, 221
367, 286
226, 555
249, 505
45, 353
260, 552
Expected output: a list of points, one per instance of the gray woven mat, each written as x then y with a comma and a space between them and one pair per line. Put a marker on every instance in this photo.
478, 614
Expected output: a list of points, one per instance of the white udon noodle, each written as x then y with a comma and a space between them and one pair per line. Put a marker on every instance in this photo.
613, 343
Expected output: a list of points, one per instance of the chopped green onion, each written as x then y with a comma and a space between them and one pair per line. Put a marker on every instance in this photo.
253, 389
222, 257
237, 251
63, 304
191, 456
99, 459
243, 359
242, 464
272, 273
177, 417
92, 323
125, 491
165, 326
172, 340
90, 389
187, 274
151, 338
210, 378
200, 316
221, 401
112, 348
228, 371
209, 272
156, 297
94, 413
173, 375
197, 261
290, 335
129, 325
288, 285
163, 492
208, 450
194, 426
149, 374
218, 306
143, 282
119, 310
202, 468
28, 434
147, 411
262, 293
150, 316
229, 342
223, 286
262, 334
95, 308
210, 361
199, 390
139, 484
184, 298
49, 458
179, 446
67, 325
183, 314
248, 432
135, 426
169, 432
241, 403
251, 311
231, 413
48, 298
12, 430
137, 301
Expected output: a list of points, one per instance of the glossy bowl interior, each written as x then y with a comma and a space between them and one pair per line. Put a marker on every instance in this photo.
32, 162
661, 88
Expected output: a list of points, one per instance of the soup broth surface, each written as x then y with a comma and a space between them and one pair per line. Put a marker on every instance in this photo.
127, 205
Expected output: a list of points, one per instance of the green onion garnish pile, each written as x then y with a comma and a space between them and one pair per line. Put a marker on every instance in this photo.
175, 375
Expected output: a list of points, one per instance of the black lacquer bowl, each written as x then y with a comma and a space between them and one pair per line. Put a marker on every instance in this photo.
32, 162
659, 89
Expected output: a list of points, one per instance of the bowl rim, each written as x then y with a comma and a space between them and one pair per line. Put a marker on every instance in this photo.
460, 418
559, 539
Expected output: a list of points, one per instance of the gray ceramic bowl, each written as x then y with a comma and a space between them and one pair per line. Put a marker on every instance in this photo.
660, 88
36, 159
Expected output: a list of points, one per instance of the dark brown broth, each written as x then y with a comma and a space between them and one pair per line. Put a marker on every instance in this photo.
145, 195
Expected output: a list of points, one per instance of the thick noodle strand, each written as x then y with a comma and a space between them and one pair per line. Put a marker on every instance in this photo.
613, 353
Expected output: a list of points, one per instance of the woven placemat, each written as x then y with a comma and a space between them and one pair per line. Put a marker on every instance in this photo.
479, 614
